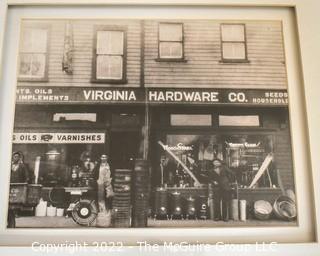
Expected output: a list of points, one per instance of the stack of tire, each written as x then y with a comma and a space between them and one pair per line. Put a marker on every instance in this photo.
141, 194
122, 198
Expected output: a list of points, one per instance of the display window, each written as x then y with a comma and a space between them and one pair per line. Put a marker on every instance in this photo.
243, 154
59, 164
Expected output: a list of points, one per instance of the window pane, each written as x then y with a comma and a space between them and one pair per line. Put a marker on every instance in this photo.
170, 50
192, 120
170, 32
39, 40
25, 65
34, 40
234, 51
109, 67
232, 33
110, 42
38, 65
91, 117
239, 120
32, 65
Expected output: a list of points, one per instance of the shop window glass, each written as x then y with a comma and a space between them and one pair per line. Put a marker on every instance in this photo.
170, 41
33, 54
62, 117
243, 154
190, 120
110, 55
54, 164
233, 42
249, 120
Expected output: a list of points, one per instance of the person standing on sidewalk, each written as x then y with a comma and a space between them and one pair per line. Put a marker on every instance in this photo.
220, 176
102, 174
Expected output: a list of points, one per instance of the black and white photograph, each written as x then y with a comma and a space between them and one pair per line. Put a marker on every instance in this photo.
151, 123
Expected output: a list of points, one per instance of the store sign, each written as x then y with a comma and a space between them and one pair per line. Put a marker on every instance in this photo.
243, 145
178, 147
201, 96
58, 138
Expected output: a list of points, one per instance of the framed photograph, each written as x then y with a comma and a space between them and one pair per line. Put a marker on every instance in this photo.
156, 125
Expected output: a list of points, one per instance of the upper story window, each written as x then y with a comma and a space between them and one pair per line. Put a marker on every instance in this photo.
33, 54
171, 41
110, 56
233, 43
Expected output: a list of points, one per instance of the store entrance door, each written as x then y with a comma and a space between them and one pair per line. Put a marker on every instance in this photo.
124, 148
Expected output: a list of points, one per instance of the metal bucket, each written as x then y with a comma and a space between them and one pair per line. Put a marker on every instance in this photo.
190, 210
176, 205
161, 203
202, 208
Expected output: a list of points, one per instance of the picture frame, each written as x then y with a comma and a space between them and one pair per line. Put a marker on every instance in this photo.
303, 102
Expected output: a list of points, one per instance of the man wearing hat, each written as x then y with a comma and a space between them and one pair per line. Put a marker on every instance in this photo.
221, 176
19, 171
102, 174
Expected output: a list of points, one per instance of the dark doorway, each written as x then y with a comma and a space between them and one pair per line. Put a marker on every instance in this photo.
124, 148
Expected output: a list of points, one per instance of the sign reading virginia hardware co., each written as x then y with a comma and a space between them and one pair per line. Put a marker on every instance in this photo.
58, 138
102, 95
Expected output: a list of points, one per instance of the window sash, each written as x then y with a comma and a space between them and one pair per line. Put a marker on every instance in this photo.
109, 67
233, 32
110, 42
34, 40
234, 50
171, 50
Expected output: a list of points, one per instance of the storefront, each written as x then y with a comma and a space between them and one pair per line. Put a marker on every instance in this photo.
180, 132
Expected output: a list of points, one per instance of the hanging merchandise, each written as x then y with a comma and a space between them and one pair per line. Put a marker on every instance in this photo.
68, 49
201, 152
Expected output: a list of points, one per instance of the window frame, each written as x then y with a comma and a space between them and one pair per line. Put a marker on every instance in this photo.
240, 126
45, 77
162, 59
94, 78
227, 60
